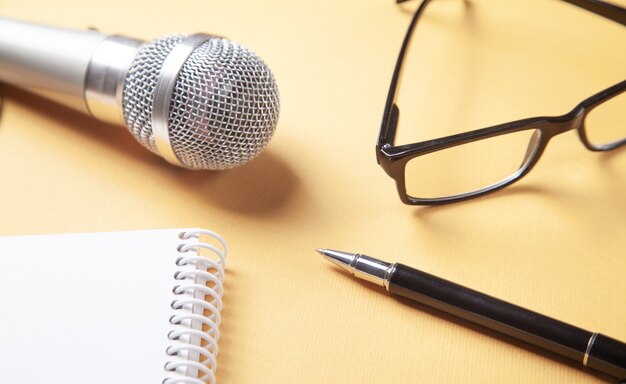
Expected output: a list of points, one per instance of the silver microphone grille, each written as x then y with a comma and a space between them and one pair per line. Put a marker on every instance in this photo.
223, 110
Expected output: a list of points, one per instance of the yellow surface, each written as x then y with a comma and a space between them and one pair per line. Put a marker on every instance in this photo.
553, 243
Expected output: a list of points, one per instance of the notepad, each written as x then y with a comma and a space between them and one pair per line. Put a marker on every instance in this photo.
118, 307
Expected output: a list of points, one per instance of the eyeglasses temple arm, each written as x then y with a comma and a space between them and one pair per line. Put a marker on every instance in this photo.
390, 116
608, 10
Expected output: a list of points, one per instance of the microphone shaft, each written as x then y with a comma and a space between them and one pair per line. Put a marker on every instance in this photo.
84, 70
46, 60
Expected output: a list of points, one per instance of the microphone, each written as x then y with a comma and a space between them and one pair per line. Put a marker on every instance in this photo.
199, 101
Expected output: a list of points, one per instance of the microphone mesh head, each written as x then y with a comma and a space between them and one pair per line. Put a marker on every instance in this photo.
224, 107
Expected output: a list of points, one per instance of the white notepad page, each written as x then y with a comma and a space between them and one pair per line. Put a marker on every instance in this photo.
88, 308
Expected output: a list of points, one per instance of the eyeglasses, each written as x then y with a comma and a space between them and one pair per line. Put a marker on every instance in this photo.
496, 156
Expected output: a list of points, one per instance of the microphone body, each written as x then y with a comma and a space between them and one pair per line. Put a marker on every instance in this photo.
199, 101
84, 70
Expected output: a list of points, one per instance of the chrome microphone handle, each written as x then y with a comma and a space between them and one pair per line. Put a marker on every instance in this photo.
104, 81
84, 70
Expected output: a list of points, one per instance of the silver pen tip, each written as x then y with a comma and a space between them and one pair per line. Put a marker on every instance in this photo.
340, 259
362, 266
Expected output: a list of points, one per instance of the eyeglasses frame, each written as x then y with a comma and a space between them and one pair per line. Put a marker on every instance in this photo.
393, 159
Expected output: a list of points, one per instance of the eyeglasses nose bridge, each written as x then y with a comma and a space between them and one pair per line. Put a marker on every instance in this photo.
564, 124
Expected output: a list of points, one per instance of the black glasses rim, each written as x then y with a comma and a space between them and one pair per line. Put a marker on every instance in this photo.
545, 123
549, 127
393, 158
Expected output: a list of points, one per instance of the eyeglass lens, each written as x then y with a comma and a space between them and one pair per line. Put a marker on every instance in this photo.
470, 167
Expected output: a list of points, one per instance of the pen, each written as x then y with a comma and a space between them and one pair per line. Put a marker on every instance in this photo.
591, 349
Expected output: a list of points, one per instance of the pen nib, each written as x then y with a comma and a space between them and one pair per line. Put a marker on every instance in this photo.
341, 259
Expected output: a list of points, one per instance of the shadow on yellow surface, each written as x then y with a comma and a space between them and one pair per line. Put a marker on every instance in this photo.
257, 188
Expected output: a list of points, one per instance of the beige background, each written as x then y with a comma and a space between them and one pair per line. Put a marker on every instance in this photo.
553, 243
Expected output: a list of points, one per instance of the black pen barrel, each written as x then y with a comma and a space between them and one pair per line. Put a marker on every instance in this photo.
590, 349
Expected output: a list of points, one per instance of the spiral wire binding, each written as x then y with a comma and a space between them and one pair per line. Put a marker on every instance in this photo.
197, 311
